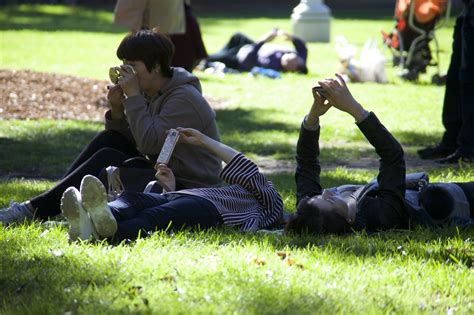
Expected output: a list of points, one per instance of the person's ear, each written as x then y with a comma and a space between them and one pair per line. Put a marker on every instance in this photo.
157, 69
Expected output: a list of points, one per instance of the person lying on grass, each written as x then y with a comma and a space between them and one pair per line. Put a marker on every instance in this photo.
391, 201
149, 98
250, 202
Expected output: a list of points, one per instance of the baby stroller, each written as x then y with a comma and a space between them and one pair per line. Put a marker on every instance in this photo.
409, 41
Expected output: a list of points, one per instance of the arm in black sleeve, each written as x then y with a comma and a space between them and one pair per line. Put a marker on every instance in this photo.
300, 48
308, 169
385, 209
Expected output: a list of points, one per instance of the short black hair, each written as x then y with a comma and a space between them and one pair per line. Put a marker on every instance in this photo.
310, 219
149, 46
436, 201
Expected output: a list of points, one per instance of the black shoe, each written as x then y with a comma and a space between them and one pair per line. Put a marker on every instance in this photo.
455, 158
437, 152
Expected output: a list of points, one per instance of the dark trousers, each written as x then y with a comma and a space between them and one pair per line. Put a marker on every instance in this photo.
228, 54
106, 148
189, 47
141, 213
458, 107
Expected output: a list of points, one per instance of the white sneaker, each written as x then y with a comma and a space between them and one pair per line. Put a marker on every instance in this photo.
94, 200
16, 212
80, 224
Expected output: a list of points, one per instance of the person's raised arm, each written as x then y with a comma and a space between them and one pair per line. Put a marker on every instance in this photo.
385, 210
308, 169
193, 136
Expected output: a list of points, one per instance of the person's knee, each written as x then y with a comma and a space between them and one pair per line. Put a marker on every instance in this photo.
109, 156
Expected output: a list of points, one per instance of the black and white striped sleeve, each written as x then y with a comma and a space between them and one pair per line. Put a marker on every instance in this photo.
242, 171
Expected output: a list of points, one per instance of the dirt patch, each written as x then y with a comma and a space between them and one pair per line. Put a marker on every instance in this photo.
27, 94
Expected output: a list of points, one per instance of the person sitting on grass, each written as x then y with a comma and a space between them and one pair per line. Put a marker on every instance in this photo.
389, 202
149, 98
242, 53
250, 202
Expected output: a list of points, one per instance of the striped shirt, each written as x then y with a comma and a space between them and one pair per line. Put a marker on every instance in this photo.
249, 202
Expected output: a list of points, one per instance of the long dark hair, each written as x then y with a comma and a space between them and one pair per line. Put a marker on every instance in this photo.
310, 219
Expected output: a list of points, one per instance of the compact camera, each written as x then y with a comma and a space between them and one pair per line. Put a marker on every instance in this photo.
320, 90
114, 73
168, 147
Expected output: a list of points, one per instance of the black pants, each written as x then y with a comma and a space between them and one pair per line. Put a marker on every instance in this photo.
228, 54
140, 213
458, 106
106, 148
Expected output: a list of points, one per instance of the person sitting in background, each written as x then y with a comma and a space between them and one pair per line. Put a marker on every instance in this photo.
150, 98
391, 201
242, 53
250, 202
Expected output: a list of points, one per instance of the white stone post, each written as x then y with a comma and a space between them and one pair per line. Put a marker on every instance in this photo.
311, 21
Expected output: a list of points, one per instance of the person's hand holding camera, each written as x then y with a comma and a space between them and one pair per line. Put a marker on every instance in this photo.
339, 96
191, 136
128, 80
115, 97
165, 177
319, 108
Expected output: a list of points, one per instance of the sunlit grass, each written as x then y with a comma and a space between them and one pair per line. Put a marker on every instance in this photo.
225, 271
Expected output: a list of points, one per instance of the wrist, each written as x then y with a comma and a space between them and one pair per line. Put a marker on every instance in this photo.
358, 112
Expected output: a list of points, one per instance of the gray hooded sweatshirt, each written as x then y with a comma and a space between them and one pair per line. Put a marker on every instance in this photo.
179, 104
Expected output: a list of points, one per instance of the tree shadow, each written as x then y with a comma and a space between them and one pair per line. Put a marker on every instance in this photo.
45, 155
36, 17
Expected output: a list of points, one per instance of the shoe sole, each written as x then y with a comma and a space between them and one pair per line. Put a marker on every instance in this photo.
94, 200
70, 209
80, 225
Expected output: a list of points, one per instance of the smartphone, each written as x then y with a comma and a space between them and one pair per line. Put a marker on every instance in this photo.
320, 90
168, 147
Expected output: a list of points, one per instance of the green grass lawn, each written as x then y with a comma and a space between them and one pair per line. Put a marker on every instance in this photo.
225, 271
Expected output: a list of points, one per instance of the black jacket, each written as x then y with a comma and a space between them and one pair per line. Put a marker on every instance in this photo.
380, 206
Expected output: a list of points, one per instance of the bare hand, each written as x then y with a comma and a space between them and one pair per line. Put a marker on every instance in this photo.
339, 96
285, 34
271, 35
115, 97
164, 175
128, 80
190, 136
320, 106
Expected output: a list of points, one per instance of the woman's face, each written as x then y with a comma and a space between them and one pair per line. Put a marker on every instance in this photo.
330, 201
146, 80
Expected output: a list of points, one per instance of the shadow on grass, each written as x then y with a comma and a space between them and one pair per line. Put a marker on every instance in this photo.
36, 17
408, 138
99, 19
42, 154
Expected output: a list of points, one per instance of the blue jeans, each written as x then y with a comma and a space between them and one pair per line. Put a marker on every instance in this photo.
140, 213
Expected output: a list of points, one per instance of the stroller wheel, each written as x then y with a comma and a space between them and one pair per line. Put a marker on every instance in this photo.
409, 75
438, 80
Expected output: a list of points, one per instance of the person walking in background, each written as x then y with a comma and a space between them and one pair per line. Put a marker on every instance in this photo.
149, 98
242, 53
457, 143
174, 18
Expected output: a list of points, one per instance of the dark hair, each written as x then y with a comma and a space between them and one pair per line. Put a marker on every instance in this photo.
310, 219
149, 46
436, 201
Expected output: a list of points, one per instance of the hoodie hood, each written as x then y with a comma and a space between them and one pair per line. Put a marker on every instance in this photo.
180, 77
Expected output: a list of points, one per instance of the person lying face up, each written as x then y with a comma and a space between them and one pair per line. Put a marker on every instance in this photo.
250, 202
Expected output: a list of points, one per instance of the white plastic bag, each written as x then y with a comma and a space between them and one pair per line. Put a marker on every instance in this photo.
369, 67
